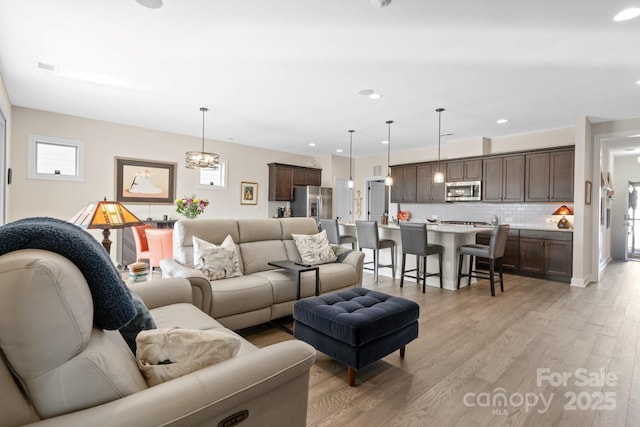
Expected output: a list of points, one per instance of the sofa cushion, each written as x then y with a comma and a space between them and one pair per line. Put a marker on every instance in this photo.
216, 262
336, 276
314, 248
240, 295
257, 255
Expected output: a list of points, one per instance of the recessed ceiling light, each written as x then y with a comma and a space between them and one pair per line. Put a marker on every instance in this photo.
366, 92
384, 142
501, 121
375, 96
151, 4
638, 82
312, 144
634, 136
627, 14
339, 150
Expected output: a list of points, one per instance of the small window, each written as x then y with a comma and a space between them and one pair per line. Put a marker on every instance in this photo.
213, 178
55, 158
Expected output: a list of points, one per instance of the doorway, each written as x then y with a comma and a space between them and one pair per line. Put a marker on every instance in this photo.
3, 165
377, 199
633, 222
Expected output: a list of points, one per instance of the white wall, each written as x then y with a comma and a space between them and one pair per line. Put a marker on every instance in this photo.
104, 141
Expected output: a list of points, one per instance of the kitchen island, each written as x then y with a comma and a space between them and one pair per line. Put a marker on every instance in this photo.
451, 237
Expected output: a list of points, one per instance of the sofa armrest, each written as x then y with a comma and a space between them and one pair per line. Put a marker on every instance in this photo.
277, 373
200, 285
356, 259
161, 292
172, 268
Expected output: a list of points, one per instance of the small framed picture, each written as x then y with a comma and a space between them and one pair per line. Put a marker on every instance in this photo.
587, 192
248, 193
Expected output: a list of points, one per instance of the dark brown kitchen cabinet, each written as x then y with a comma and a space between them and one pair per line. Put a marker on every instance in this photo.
503, 179
547, 254
464, 170
549, 176
282, 179
536, 253
428, 191
403, 189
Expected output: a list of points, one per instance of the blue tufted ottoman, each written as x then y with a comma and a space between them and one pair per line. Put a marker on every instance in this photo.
356, 327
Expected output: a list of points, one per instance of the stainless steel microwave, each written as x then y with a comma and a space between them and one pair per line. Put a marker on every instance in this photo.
463, 191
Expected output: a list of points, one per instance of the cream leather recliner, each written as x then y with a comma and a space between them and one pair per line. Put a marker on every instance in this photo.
59, 370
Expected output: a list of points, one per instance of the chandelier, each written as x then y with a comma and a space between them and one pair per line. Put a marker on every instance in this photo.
202, 159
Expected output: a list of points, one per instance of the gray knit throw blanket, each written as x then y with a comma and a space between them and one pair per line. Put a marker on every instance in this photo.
112, 305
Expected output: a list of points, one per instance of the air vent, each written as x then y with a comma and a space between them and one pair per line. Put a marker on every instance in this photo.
377, 170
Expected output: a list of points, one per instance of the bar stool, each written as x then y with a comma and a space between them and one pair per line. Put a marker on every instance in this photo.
368, 238
415, 242
333, 233
493, 252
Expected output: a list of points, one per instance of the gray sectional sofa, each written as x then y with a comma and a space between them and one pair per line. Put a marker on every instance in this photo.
262, 293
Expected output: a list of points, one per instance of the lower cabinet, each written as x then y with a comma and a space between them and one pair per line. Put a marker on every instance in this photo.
536, 253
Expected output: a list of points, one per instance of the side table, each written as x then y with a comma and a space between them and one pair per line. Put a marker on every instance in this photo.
298, 269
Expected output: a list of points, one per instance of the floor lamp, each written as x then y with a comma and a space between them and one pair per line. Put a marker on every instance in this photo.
106, 216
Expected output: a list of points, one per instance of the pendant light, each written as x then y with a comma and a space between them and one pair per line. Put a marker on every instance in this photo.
351, 131
201, 159
438, 177
388, 180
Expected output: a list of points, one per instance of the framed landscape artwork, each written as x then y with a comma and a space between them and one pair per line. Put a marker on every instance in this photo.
144, 181
248, 193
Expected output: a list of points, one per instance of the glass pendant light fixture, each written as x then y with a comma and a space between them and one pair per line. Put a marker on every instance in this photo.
438, 177
201, 159
350, 183
388, 180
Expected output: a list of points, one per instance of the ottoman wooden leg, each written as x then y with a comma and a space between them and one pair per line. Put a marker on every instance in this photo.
402, 351
352, 376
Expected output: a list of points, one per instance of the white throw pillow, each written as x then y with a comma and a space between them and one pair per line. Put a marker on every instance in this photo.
165, 354
314, 248
216, 262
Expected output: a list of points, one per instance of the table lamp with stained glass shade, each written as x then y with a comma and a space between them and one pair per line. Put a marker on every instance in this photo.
563, 210
105, 215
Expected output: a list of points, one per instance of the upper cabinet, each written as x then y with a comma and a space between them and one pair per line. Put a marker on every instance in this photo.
503, 179
464, 170
403, 189
428, 191
282, 179
549, 176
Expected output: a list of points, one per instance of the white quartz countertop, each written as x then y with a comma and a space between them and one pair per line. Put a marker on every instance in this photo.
455, 228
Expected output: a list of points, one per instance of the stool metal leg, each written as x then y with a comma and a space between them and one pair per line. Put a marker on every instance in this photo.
470, 270
440, 265
375, 265
404, 258
460, 269
424, 274
491, 276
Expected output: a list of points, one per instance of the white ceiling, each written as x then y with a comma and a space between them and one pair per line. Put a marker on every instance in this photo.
283, 73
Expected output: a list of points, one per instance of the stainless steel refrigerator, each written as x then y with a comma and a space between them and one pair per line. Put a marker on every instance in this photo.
312, 201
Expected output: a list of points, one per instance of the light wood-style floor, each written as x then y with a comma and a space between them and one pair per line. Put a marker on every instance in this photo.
473, 350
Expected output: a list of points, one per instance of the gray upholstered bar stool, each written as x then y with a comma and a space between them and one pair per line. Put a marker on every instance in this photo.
333, 233
493, 252
415, 242
368, 238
